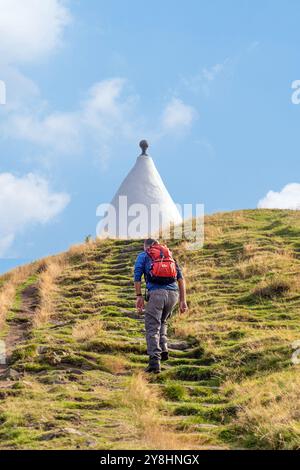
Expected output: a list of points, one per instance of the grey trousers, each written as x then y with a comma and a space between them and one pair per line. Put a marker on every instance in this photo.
158, 310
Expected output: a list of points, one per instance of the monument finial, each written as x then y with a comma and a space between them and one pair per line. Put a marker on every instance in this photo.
144, 145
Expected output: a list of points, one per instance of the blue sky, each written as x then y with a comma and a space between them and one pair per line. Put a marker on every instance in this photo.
207, 82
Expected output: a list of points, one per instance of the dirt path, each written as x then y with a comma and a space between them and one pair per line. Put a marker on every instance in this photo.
19, 325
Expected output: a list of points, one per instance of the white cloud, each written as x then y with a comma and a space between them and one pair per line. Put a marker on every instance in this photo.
211, 73
25, 201
177, 115
202, 81
20, 90
56, 131
103, 99
287, 198
109, 108
6, 242
31, 29
106, 115
106, 112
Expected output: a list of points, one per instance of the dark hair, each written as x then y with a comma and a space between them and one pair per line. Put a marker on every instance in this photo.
150, 241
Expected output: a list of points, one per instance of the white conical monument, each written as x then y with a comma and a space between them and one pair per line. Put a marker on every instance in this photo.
142, 205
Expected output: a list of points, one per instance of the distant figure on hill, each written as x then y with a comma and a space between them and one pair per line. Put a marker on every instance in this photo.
163, 281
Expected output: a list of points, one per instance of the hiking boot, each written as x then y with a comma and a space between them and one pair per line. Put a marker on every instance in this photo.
153, 367
165, 355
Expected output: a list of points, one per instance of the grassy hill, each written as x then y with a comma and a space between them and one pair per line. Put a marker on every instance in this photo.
76, 346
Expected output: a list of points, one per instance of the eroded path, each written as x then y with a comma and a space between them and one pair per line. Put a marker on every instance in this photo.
19, 323
189, 384
71, 380
78, 380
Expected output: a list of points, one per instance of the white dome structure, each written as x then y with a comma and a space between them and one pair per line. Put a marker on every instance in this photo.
142, 205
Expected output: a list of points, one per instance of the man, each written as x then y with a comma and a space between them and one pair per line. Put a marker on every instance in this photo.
162, 298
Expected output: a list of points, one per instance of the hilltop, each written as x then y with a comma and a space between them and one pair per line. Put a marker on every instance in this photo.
76, 348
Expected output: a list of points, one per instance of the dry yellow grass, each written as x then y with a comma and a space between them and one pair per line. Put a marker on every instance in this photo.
8, 291
81, 249
276, 286
48, 289
271, 410
88, 330
212, 232
142, 401
249, 249
254, 263
232, 334
6, 299
182, 328
114, 364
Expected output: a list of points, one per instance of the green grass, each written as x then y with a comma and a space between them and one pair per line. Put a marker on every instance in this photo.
243, 294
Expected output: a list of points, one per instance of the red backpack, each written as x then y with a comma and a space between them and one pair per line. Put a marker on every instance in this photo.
163, 268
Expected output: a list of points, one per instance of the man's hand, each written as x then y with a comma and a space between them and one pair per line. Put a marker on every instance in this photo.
140, 304
183, 306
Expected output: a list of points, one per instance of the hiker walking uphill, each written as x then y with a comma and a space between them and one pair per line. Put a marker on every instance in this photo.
163, 281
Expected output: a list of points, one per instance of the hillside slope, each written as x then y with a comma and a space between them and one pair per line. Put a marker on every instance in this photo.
76, 347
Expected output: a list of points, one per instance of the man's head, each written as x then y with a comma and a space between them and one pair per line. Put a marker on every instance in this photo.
149, 242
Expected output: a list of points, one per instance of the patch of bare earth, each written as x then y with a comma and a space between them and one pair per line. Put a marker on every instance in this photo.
19, 327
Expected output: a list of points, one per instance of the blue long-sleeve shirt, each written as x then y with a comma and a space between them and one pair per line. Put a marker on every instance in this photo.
142, 268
